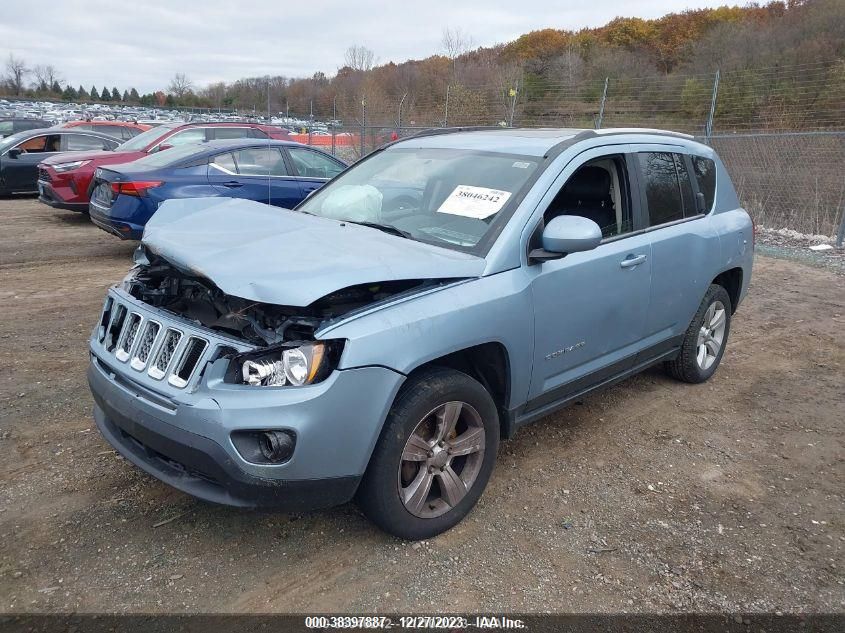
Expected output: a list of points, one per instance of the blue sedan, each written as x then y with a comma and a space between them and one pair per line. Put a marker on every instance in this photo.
280, 173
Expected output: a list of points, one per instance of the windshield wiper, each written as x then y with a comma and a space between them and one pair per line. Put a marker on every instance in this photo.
387, 228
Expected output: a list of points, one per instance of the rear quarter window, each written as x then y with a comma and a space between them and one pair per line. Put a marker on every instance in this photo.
705, 175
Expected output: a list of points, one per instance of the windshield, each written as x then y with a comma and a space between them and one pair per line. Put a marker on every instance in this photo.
448, 197
170, 157
139, 142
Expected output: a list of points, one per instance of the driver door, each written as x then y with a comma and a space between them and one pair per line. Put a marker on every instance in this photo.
21, 174
590, 308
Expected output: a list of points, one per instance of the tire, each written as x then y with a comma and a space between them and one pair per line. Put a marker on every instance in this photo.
693, 365
436, 403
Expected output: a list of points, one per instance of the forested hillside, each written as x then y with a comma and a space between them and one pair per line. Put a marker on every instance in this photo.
781, 65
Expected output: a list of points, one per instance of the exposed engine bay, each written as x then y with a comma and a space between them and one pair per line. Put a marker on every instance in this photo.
161, 285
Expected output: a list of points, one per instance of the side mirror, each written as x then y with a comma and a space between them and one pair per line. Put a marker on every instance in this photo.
566, 234
14, 152
164, 146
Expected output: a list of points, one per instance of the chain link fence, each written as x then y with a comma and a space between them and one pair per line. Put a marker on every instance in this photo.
779, 130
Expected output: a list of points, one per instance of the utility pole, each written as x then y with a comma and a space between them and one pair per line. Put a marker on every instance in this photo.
601, 107
513, 93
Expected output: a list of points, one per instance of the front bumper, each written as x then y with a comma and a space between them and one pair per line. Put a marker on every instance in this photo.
183, 435
45, 196
50, 192
193, 451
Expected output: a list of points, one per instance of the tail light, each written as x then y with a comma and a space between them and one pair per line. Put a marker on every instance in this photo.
136, 188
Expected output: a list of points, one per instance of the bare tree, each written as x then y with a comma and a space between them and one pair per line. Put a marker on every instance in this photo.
17, 71
180, 86
359, 58
455, 42
46, 76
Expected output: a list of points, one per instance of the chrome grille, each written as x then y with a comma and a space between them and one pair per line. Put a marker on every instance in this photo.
127, 337
145, 345
164, 352
188, 362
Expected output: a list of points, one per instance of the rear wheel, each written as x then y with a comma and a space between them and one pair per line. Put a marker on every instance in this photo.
434, 457
705, 339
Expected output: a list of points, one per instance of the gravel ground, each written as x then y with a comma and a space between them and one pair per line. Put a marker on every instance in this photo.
650, 497
787, 244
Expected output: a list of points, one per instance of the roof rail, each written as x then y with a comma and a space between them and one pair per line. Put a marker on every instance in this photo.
437, 131
641, 130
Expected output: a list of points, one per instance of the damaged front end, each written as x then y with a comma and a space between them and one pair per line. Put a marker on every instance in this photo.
287, 354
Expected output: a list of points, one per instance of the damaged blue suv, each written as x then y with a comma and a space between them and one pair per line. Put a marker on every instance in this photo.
378, 341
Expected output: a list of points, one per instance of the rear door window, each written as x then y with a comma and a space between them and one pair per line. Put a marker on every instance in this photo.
662, 191
260, 161
229, 132
81, 142
191, 135
225, 163
705, 175
313, 164
687, 196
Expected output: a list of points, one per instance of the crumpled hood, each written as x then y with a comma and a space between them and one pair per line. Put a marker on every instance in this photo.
263, 253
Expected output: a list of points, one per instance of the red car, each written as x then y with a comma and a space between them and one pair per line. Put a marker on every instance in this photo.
64, 181
123, 130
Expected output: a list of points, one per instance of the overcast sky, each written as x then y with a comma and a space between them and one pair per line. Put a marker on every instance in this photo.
142, 43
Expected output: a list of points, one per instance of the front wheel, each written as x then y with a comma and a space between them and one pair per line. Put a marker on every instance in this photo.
705, 339
435, 455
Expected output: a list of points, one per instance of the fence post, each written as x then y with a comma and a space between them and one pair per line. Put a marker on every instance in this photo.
708, 128
840, 234
399, 122
446, 114
311, 122
601, 106
334, 124
363, 124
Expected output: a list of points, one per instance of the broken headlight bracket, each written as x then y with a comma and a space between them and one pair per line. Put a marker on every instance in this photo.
290, 364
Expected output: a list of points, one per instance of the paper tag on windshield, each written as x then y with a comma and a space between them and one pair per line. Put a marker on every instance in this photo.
474, 202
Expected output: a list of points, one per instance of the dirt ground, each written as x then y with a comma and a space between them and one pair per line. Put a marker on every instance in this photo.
652, 496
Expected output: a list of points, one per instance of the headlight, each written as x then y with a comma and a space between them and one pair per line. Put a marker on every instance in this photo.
293, 365
62, 167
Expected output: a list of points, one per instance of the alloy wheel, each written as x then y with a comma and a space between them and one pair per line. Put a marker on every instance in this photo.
711, 335
441, 459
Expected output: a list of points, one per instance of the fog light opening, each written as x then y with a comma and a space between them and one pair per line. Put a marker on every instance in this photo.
275, 446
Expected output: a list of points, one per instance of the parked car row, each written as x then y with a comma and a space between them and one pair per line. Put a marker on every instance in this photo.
66, 181
122, 184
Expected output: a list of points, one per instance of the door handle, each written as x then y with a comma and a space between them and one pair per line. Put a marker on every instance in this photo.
233, 184
632, 260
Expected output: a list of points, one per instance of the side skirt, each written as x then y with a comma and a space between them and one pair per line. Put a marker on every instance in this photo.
545, 404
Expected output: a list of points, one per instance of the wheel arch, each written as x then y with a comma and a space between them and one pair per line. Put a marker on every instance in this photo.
731, 281
489, 364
